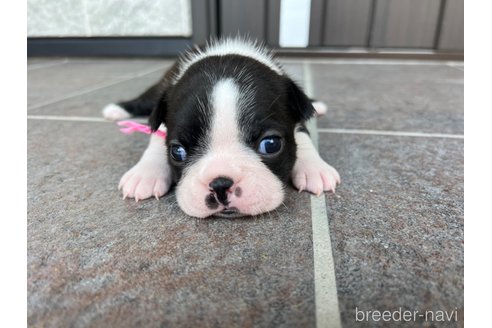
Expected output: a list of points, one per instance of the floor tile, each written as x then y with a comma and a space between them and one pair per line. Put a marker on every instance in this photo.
91, 103
56, 82
396, 223
390, 97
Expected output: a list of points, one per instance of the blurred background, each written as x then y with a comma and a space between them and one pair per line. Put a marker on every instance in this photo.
361, 28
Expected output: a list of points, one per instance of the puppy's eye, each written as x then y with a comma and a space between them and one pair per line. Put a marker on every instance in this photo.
270, 145
178, 153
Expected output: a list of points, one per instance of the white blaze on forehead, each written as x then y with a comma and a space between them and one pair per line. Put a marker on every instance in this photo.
225, 102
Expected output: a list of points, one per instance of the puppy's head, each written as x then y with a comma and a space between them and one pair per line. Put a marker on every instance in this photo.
230, 121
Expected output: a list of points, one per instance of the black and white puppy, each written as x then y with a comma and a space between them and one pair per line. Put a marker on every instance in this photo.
235, 134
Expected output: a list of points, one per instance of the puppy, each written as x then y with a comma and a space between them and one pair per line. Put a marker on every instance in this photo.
235, 134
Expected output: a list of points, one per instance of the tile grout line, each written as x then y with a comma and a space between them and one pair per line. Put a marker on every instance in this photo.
97, 87
67, 118
79, 118
35, 67
325, 287
392, 133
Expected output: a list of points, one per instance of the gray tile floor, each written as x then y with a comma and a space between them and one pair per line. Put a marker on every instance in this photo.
396, 222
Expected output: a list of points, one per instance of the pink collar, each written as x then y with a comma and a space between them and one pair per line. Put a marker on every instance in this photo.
131, 126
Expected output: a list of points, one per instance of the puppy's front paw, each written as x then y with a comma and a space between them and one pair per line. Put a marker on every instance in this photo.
314, 175
145, 180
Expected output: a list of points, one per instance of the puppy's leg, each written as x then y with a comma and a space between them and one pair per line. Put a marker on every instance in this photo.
311, 172
151, 176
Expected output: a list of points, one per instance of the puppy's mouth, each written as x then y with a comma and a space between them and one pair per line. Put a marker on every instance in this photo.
229, 212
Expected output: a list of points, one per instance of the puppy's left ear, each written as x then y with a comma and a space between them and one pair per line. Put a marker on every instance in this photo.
299, 104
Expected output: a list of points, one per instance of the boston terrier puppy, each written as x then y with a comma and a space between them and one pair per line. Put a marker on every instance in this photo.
235, 134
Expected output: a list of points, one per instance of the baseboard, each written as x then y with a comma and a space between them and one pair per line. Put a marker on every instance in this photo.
171, 47
114, 47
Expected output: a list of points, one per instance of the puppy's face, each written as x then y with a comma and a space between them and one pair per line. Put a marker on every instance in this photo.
231, 147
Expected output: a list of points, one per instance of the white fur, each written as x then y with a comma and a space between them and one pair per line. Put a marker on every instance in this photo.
311, 172
114, 112
225, 100
236, 46
320, 108
151, 176
261, 190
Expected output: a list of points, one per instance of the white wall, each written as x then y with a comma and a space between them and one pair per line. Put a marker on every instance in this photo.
294, 23
86, 18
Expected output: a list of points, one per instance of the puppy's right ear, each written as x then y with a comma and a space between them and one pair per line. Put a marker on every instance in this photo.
301, 107
158, 115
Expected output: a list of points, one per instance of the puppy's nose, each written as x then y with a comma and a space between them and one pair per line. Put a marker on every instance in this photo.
220, 186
